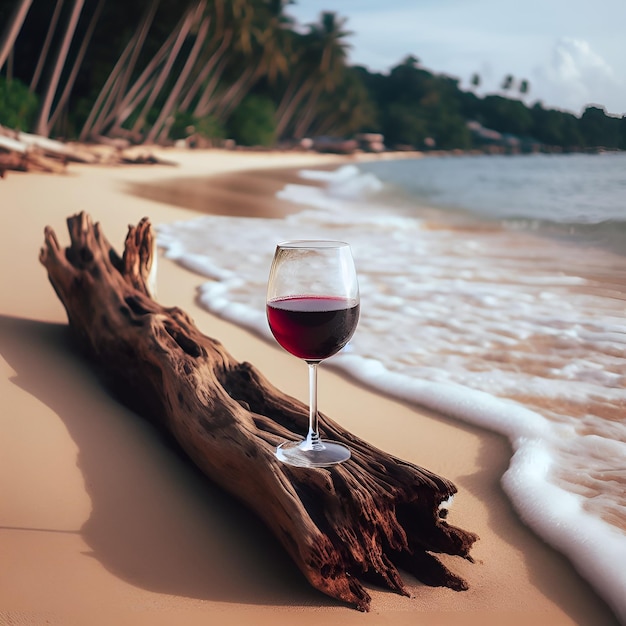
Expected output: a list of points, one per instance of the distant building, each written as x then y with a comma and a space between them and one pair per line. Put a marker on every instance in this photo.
335, 145
493, 141
371, 142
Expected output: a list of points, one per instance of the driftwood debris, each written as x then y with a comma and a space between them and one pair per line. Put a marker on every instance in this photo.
343, 526
26, 152
19, 156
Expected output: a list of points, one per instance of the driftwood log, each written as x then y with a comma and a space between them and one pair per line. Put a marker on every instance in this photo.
353, 523
25, 152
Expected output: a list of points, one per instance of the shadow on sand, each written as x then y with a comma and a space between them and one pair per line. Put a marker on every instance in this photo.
155, 523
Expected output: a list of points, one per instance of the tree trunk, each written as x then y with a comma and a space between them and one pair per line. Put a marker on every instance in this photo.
93, 124
43, 55
204, 73
354, 522
43, 127
69, 83
207, 99
306, 117
161, 127
285, 113
187, 23
12, 29
235, 93
138, 41
114, 104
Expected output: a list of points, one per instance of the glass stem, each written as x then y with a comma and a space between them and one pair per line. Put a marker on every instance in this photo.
313, 439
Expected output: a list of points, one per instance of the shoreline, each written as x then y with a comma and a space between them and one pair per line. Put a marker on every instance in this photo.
85, 537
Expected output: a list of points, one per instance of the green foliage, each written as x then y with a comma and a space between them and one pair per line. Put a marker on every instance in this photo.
622, 133
252, 123
286, 77
415, 105
186, 124
505, 115
18, 106
404, 124
555, 128
347, 110
209, 128
599, 129
450, 131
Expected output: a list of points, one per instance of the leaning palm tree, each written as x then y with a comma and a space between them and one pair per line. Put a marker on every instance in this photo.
319, 67
109, 104
345, 111
12, 29
69, 83
163, 122
326, 40
139, 39
119, 99
238, 19
183, 76
43, 55
188, 23
43, 121
266, 54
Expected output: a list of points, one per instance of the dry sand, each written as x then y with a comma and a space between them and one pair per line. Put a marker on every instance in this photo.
100, 523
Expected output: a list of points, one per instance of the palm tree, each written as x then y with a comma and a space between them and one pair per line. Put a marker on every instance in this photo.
186, 26
203, 68
326, 38
116, 101
217, 52
46, 45
524, 87
268, 38
69, 83
241, 18
138, 40
213, 61
208, 78
316, 60
507, 83
162, 125
273, 39
43, 122
345, 111
12, 30
102, 105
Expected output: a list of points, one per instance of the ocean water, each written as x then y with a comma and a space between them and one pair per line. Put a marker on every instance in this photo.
493, 290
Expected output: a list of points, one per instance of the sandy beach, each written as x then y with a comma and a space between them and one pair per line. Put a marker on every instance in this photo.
101, 523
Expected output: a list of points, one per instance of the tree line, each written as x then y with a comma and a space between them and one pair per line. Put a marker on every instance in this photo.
159, 70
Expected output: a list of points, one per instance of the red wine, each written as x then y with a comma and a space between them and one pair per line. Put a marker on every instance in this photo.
313, 327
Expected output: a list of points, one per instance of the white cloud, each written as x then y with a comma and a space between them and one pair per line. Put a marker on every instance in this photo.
577, 75
575, 60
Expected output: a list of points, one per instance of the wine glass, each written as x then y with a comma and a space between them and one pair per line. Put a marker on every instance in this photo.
312, 309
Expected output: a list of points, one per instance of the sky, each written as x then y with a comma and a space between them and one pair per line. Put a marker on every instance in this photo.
572, 52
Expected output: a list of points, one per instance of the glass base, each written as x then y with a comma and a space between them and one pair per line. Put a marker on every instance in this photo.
302, 454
